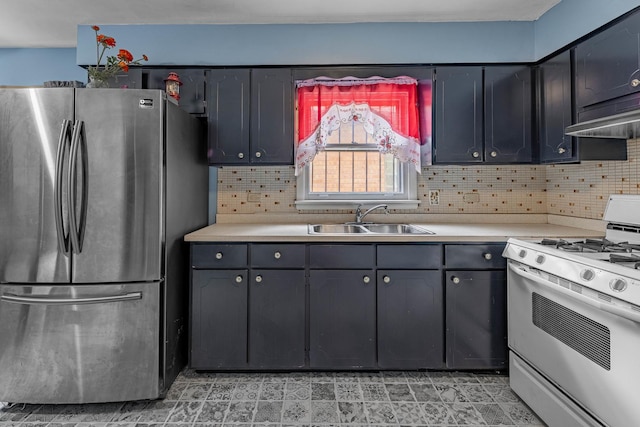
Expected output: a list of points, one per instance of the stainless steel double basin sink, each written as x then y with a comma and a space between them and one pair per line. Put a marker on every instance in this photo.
367, 228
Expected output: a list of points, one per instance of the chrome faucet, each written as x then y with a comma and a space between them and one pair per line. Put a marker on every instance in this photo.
360, 216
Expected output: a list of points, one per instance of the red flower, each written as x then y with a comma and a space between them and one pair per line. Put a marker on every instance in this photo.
113, 64
125, 55
106, 41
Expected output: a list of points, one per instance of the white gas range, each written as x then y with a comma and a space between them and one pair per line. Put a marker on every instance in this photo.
574, 322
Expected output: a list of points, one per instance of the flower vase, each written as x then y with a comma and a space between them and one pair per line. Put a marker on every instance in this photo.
95, 82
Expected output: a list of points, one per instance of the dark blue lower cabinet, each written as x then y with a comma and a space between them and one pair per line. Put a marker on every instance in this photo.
277, 319
476, 332
410, 319
218, 319
342, 319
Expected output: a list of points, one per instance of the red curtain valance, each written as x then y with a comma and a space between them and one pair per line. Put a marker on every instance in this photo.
387, 108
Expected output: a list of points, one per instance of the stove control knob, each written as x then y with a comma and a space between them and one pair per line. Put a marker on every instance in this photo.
587, 274
540, 259
618, 285
522, 253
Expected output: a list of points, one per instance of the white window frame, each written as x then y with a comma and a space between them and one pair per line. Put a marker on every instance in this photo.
305, 200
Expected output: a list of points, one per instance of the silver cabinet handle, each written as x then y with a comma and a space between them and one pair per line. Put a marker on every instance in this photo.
219, 255
488, 256
258, 154
366, 279
277, 255
386, 279
455, 279
238, 279
475, 154
635, 82
493, 154
241, 155
562, 150
258, 279
45, 300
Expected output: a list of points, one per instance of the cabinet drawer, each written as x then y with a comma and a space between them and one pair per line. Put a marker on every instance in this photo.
218, 256
474, 256
409, 256
277, 256
342, 256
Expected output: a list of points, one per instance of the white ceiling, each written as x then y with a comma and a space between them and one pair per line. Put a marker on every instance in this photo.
49, 23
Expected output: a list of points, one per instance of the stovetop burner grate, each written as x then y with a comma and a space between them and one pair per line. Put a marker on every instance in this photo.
592, 245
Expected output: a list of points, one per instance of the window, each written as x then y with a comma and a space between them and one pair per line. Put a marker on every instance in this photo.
359, 141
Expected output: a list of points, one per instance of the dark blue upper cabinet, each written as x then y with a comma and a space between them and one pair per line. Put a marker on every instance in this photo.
250, 116
271, 116
483, 115
508, 110
458, 115
554, 109
608, 64
228, 94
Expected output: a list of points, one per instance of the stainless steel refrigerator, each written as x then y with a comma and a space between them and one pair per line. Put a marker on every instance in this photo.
97, 189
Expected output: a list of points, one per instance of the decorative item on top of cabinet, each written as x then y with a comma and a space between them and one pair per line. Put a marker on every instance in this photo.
192, 90
475, 307
483, 114
250, 116
607, 63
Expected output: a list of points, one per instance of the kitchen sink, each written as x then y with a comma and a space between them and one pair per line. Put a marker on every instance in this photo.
367, 228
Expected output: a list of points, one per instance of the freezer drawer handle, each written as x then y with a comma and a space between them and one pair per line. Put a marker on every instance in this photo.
16, 299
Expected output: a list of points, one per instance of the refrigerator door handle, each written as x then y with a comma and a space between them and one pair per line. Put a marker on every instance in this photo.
44, 300
77, 225
63, 142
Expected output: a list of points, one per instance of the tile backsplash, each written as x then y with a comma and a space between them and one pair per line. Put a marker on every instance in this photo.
577, 190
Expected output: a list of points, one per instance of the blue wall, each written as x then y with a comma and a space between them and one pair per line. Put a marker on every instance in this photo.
571, 19
367, 43
32, 67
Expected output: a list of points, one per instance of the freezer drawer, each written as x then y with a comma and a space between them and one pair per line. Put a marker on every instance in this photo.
79, 344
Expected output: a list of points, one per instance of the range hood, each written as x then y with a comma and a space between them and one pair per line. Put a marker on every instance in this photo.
620, 126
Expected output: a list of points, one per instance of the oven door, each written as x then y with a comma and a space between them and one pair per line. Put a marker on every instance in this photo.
588, 348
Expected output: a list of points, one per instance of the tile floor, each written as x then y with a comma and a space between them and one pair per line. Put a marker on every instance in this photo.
301, 399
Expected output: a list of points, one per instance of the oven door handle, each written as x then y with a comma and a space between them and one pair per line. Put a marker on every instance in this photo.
617, 311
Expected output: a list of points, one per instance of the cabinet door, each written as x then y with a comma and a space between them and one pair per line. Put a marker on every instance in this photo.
191, 91
458, 115
218, 319
476, 325
277, 319
608, 64
554, 109
508, 108
410, 320
271, 116
342, 325
228, 116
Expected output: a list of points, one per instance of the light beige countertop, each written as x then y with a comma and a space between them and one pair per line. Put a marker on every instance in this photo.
443, 232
